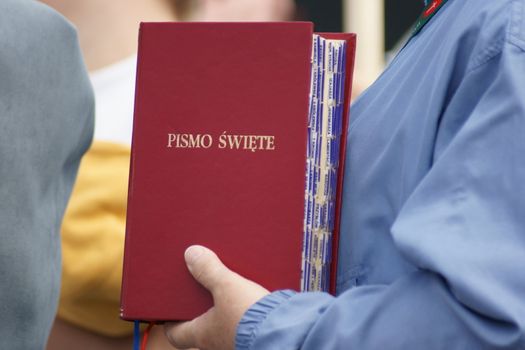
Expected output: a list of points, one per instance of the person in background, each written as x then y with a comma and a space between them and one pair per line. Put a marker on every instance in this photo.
94, 225
242, 10
46, 125
432, 237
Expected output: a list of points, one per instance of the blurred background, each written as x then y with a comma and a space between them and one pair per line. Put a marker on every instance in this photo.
382, 26
94, 224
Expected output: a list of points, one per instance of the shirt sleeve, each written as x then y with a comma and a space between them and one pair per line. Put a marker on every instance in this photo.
462, 228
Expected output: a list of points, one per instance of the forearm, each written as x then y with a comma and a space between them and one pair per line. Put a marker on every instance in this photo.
416, 312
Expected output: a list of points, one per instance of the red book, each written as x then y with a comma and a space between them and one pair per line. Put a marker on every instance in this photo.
218, 159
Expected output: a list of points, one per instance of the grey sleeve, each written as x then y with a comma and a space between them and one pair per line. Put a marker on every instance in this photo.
46, 125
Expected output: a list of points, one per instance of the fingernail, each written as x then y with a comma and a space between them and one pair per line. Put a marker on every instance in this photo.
192, 254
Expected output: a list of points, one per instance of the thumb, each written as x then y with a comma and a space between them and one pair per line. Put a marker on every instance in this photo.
205, 267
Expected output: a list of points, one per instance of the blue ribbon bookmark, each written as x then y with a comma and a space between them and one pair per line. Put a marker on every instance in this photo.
136, 336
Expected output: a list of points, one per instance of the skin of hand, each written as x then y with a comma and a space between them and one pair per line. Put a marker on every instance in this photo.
242, 10
232, 296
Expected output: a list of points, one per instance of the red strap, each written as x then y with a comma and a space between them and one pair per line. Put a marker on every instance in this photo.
146, 335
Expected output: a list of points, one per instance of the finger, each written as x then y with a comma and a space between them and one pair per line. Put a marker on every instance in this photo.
206, 267
181, 335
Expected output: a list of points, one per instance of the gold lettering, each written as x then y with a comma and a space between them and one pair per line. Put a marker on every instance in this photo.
235, 141
261, 141
222, 141
270, 145
171, 138
189, 141
251, 143
206, 141
182, 141
194, 141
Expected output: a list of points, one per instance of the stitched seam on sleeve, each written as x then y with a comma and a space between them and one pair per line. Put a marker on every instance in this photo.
516, 30
487, 55
252, 330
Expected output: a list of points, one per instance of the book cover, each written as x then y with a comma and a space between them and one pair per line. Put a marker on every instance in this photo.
218, 159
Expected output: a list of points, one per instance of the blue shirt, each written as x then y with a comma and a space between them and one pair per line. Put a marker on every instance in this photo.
432, 247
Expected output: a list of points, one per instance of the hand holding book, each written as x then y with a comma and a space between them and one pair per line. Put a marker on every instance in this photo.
232, 296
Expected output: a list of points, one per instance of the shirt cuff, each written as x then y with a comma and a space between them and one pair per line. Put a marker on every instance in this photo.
255, 316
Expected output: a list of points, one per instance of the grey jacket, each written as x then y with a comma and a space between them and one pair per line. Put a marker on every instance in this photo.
46, 124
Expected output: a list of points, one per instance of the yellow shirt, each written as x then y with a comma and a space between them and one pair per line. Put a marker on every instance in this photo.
93, 242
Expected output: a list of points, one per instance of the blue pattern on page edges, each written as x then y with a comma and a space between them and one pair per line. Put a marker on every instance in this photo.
319, 214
